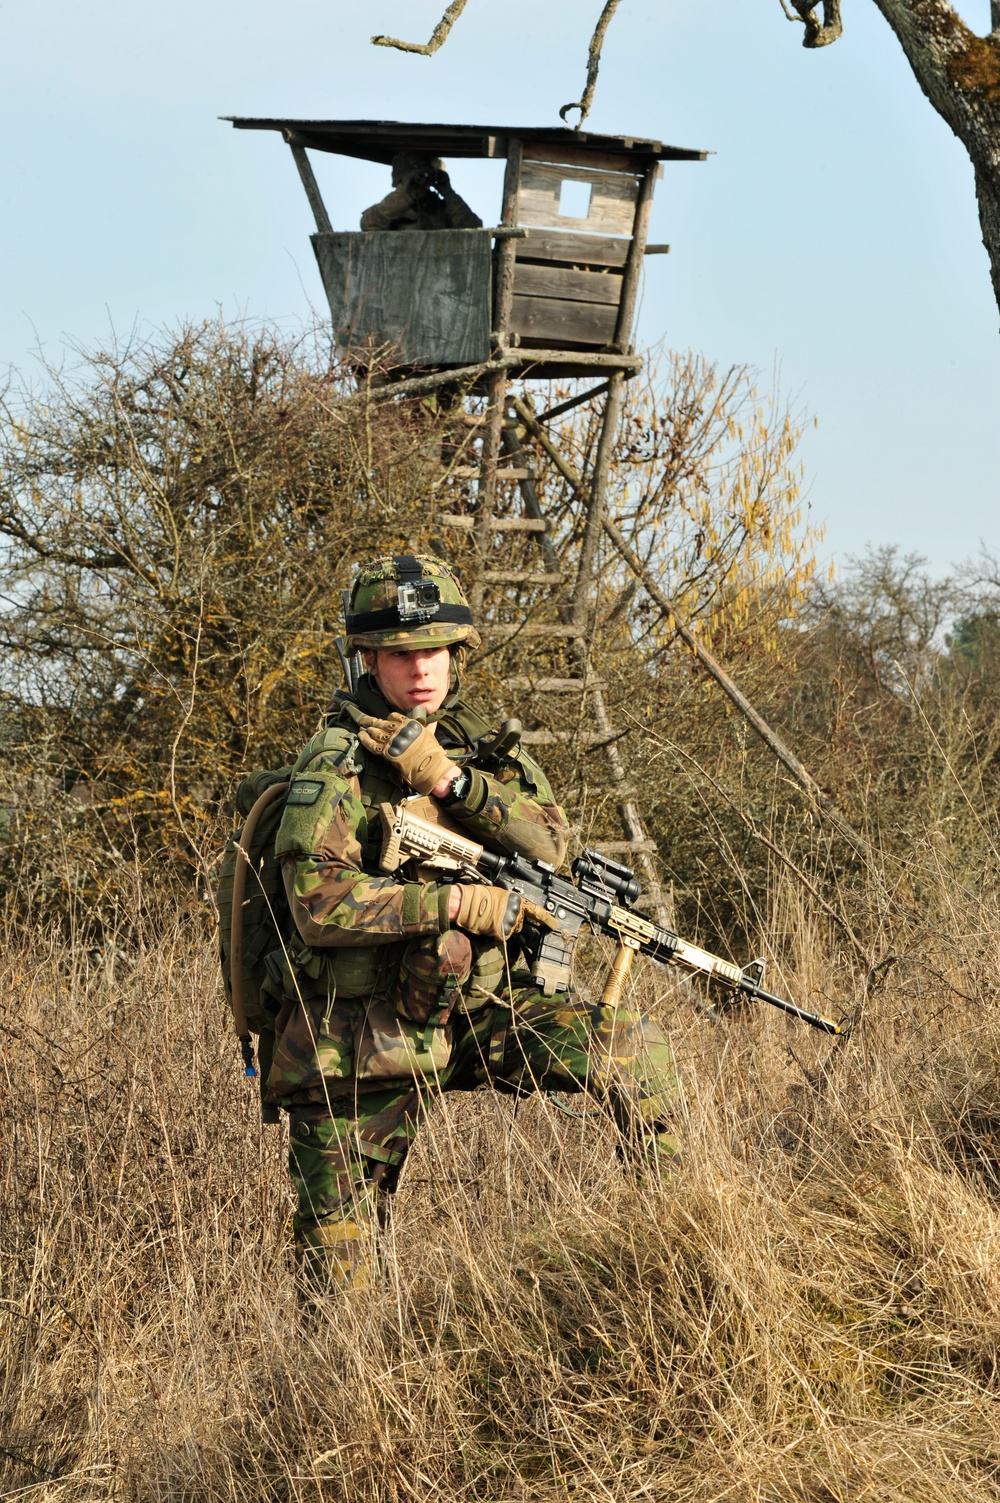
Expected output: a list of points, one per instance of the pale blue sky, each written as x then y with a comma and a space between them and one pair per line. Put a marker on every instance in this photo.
833, 236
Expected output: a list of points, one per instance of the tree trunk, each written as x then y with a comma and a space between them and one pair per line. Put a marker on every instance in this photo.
960, 74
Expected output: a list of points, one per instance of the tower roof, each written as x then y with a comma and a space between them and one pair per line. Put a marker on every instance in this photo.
380, 140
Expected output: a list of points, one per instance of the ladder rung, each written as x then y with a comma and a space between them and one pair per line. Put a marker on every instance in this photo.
532, 630
497, 524
495, 576
473, 471
554, 685
562, 738
621, 847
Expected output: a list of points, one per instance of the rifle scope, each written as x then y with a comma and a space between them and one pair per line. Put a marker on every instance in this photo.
593, 870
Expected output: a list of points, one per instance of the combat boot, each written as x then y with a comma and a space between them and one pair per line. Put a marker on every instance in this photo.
333, 1255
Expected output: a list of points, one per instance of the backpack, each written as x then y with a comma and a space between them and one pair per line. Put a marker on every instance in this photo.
266, 922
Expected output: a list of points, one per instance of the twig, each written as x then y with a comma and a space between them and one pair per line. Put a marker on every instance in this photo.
438, 35
32, 1466
818, 33
769, 844
593, 63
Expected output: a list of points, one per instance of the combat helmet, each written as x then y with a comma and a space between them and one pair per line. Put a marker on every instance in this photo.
408, 600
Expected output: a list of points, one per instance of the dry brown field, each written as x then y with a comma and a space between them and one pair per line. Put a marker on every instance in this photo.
808, 1310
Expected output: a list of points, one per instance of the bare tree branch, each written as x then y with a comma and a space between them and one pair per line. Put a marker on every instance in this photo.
593, 63
441, 31
818, 33
438, 36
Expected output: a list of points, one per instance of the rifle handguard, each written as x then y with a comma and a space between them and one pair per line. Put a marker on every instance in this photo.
406, 836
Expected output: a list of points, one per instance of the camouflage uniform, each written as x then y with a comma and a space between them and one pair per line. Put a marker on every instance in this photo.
419, 206
387, 1004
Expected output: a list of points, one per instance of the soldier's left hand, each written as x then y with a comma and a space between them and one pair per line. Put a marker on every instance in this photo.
409, 746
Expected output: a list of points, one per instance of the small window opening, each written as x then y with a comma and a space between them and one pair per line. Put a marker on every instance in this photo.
574, 199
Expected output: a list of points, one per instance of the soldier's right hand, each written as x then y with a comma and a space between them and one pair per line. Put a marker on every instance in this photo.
492, 911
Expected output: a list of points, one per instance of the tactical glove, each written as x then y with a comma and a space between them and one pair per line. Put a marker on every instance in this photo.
411, 747
534, 913
490, 910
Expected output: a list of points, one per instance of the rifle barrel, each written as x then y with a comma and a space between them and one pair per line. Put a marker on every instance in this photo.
814, 1019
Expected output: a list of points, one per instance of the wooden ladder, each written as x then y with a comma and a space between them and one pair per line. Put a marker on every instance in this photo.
505, 504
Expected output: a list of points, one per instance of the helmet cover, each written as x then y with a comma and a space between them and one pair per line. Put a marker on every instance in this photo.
408, 600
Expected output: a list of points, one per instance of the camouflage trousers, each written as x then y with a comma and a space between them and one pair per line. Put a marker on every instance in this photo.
346, 1153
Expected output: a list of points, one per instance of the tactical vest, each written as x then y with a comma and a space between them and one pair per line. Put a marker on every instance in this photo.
277, 963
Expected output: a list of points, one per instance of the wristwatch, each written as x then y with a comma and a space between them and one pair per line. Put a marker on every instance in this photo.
458, 789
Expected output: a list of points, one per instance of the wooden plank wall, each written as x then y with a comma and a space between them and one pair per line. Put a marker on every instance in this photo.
612, 199
425, 292
585, 250
568, 274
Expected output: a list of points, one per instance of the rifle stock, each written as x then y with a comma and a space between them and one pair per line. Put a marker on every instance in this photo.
601, 896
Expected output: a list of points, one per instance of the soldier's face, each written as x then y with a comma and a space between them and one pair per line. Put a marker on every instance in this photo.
407, 678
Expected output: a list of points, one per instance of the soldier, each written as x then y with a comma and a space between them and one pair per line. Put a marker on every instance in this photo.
398, 989
422, 198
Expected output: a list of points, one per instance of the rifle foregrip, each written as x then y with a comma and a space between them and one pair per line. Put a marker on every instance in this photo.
391, 858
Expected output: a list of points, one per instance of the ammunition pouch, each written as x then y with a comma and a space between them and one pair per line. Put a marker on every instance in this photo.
388, 1047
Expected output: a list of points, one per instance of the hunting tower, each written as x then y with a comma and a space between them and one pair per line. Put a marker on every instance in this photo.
548, 291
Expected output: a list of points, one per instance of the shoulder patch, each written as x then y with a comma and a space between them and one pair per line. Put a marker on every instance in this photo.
304, 791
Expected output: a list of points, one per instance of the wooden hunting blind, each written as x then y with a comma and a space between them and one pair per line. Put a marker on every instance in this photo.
549, 290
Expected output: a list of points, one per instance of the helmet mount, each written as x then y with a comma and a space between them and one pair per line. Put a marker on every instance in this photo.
408, 601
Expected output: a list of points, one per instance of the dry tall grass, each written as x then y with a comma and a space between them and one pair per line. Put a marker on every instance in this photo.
809, 1310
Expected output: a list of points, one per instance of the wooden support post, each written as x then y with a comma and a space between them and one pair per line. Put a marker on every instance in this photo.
506, 251
419, 386
820, 800
311, 186
486, 495
571, 402
595, 502
633, 266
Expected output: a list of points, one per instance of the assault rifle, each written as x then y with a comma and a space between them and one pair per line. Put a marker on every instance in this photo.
601, 896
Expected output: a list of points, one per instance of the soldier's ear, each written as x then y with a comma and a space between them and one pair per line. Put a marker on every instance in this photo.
459, 655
